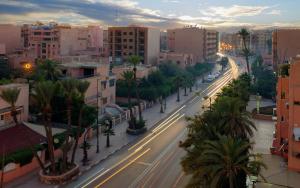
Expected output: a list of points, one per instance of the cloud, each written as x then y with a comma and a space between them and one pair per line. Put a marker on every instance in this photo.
274, 12
234, 11
171, 1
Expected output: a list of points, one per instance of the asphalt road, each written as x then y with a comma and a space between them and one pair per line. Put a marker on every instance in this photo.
154, 161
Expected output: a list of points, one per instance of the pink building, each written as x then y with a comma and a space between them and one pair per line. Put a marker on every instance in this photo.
287, 139
201, 43
180, 59
22, 59
286, 45
10, 37
102, 82
6, 119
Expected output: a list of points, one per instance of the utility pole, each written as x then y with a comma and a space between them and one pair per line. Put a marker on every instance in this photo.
97, 127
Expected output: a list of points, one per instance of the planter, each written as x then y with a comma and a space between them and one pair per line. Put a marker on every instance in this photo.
59, 179
136, 131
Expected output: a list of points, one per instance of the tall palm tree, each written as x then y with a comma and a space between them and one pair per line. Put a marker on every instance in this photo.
48, 70
178, 83
128, 77
223, 160
82, 87
43, 94
233, 118
11, 95
135, 60
69, 87
244, 33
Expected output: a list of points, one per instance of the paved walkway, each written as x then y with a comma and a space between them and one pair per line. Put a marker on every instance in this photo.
121, 139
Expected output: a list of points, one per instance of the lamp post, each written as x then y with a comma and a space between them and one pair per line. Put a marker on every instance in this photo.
97, 127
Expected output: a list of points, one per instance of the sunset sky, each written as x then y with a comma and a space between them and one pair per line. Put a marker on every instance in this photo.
157, 13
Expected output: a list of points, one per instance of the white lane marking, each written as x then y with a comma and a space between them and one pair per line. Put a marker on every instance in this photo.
90, 181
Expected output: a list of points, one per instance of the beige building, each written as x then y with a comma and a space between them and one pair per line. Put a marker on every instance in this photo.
180, 59
102, 81
261, 42
6, 119
134, 40
202, 43
286, 44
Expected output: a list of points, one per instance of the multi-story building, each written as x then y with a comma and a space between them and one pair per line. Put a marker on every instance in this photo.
134, 40
10, 37
6, 119
287, 137
286, 44
261, 42
163, 41
180, 59
201, 43
102, 87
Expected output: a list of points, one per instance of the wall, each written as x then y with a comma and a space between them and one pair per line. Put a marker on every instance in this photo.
153, 45
10, 35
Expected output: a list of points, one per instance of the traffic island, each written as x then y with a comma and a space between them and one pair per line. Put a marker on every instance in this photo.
59, 179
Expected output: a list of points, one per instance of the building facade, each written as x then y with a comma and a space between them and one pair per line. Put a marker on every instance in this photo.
133, 40
285, 45
287, 136
6, 119
261, 42
102, 88
10, 37
181, 59
202, 43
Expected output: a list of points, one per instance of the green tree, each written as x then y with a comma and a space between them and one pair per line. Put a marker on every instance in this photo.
69, 88
43, 94
222, 161
233, 118
178, 83
11, 95
245, 35
47, 70
82, 87
108, 132
135, 60
128, 77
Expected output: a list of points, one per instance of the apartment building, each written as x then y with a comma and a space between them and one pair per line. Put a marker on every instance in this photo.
6, 119
201, 43
134, 40
261, 42
285, 45
180, 59
102, 87
10, 38
287, 137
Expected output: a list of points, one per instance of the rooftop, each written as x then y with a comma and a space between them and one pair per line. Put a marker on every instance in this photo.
18, 137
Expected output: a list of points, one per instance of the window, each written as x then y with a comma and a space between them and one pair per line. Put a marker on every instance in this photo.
130, 40
112, 83
124, 40
282, 118
296, 102
104, 100
124, 33
130, 33
283, 95
130, 47
2, 117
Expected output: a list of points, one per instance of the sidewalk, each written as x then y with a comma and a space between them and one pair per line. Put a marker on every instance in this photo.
118, 141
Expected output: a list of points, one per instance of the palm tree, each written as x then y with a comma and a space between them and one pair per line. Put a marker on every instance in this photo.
69, 87
11, 95
246, 51
178, 82
135, 60
48, 70
224, 160
43, 94
82, 87
233, 118
128, 77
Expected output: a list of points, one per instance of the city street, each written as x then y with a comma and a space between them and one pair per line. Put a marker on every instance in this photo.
154, 161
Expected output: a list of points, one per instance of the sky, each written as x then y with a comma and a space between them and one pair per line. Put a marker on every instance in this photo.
220, 14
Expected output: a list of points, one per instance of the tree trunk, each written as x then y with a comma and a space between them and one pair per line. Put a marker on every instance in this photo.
191, 89
107, 140
68, 133
77, 135
14, 114
138, 96
185, 94
161, 105
48, 130
178, 94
